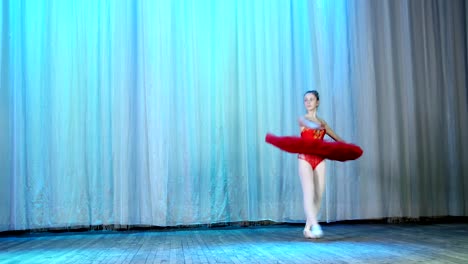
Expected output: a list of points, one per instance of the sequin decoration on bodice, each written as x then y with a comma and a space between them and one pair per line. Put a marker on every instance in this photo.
313, 133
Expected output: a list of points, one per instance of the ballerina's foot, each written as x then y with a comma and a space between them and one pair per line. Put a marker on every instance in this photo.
308, 234
315, 233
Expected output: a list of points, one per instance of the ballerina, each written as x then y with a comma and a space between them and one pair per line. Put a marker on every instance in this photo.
313, 151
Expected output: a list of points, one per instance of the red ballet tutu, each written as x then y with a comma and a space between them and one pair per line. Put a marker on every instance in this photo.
339, 151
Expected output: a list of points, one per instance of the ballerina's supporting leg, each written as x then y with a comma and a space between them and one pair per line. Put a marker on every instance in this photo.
319, 176
313, 185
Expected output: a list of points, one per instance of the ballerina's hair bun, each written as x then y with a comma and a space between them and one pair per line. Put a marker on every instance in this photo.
314, 92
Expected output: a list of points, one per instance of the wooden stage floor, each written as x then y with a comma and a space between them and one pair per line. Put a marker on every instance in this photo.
343, 243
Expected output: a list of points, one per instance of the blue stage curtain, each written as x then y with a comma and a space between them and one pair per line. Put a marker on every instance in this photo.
154, 113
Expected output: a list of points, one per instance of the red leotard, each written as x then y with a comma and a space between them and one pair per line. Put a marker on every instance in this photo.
317, 134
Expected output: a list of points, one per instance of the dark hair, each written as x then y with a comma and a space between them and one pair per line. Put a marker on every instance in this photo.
314, 92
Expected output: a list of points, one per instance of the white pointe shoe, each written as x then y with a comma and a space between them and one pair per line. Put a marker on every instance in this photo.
307, 234
317, 231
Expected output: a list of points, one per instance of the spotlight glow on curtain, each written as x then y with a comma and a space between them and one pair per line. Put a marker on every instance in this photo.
155, 112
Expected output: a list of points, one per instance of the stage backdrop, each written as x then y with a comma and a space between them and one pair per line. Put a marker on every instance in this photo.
155, 112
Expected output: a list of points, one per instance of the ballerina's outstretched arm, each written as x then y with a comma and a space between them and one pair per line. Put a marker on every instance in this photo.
330, 131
